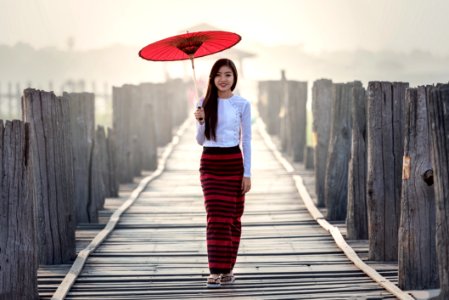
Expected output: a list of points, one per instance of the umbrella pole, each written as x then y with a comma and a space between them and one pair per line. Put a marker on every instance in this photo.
194, 80
197, 97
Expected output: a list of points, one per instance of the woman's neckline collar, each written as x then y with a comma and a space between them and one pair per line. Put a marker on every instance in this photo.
220, 98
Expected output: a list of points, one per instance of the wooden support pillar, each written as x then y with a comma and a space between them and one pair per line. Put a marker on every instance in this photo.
99, 169
135, 118
385, 123
270, 97
82, 127
262, 100
148, 128
285, 130
163, 116
113, 183
122, 127
418, 267
296, 119
321, 109
18, 251
357, 216
438, 110
52, 174
336, 177
309, 157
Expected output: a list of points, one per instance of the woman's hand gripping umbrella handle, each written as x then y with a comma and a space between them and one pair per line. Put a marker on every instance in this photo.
199, 113
200, 110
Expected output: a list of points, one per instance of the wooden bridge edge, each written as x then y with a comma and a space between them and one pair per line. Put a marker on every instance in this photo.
334, 231
82, 256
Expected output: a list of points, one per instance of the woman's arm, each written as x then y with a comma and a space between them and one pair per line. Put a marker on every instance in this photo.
246, 139
200, 137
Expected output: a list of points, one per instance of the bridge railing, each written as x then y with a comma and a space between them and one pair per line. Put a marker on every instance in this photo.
380, 159
57, 169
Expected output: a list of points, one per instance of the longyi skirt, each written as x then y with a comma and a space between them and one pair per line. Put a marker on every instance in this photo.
221, 174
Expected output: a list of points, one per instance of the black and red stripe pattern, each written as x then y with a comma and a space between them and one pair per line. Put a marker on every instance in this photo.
221, 173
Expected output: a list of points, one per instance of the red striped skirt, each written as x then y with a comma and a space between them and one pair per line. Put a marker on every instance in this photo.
221, 173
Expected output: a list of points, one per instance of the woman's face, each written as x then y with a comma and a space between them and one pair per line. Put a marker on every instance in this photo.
224, 79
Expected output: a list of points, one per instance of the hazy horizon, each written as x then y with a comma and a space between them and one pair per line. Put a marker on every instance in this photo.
343, 40
317, 25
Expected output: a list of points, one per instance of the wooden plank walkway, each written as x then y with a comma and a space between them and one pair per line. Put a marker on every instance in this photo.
158, 249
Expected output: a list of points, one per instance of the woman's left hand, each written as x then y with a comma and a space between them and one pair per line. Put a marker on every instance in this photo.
246, 185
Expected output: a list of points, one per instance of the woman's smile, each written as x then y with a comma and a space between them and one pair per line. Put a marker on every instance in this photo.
224, 79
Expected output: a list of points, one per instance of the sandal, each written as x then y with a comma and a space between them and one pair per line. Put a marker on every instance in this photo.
227, 278
213, 282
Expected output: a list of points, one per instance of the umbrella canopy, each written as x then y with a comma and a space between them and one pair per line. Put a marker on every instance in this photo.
189, 45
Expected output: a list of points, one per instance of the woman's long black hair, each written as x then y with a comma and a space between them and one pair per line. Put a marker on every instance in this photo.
210, 103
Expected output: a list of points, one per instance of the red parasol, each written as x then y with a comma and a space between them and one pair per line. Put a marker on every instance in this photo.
189, 46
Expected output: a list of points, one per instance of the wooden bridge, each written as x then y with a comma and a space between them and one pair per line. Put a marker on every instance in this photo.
157, 249
74, 192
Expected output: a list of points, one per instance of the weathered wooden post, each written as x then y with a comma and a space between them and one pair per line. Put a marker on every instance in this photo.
270, 95
309, 153
162, 114
17, 100
438, 112
18, 251
296, 117
321, 109
135, 118
336, 177
82, 128
357, 215
122, 126
385, 123
178, 101
2, 104
99, 169
285, 131
52, 174
113, 182
262, 99
10, 100
148, 128
275, 112
418, 268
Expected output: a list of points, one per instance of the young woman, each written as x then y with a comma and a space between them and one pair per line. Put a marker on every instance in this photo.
224, 122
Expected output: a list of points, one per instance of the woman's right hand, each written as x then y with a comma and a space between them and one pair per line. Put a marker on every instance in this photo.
199, 115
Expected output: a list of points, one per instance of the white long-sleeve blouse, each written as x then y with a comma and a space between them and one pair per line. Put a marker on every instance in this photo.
233, 128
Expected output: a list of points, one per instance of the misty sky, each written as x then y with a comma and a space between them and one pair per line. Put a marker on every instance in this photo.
319, 25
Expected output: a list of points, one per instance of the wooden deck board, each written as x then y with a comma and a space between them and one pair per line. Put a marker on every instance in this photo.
158, 249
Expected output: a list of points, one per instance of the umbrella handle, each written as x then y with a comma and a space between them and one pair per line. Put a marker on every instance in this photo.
198, 106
